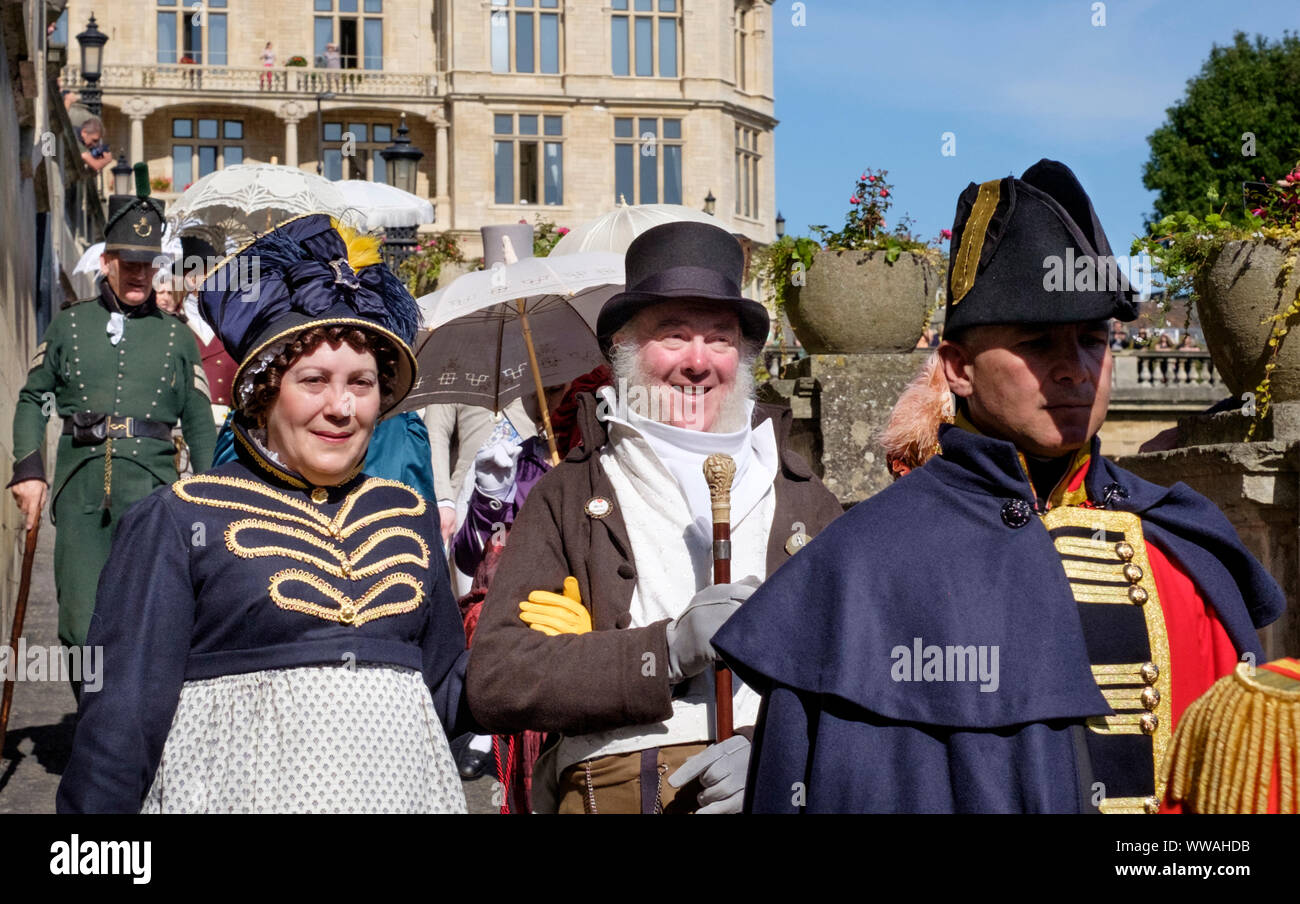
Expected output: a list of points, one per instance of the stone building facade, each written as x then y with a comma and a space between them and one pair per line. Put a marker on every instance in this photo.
522, 107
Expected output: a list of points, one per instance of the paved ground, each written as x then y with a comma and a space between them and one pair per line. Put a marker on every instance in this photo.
41, 722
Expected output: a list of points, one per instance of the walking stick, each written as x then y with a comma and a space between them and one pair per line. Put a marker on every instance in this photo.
719, 470
20, 612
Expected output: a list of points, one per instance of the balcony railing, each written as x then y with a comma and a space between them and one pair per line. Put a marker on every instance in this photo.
289, 80
1162, 368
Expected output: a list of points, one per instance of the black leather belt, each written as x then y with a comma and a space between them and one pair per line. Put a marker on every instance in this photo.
90, 429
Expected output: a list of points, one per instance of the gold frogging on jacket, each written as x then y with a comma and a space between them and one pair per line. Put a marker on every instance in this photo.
301, 532
1119, 573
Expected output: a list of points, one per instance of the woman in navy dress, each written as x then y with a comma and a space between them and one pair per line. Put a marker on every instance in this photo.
279, 633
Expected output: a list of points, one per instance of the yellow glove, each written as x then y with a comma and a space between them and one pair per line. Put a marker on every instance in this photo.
553, 613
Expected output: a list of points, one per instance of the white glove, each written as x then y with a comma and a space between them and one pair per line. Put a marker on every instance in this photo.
494, 469
721, 769
689, 634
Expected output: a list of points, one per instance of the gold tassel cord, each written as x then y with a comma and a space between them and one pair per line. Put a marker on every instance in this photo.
1223, 754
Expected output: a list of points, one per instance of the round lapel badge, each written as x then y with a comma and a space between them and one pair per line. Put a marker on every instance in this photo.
599, 507
796, 542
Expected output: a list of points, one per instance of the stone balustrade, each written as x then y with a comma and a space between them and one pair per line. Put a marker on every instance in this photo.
1175, 376
287, 80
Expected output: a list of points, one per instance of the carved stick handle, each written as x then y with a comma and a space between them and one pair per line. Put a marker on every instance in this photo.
719, 471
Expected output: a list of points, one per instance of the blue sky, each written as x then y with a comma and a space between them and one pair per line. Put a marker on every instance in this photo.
873, 84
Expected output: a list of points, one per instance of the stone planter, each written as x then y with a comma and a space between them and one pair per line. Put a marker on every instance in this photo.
1241, 287
855, 302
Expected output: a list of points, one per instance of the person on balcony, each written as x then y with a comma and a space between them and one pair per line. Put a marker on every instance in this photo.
268, 63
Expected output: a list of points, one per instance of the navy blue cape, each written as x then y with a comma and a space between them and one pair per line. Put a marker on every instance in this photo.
931, 557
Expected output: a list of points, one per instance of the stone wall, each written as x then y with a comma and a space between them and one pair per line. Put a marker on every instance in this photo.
18, 242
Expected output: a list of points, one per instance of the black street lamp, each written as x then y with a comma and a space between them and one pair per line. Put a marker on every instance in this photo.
710, 203
92, 42
402, 160
401, 165
123, 176
780, 225
320, 133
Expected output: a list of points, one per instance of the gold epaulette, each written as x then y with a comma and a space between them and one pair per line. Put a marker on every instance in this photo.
1232, 739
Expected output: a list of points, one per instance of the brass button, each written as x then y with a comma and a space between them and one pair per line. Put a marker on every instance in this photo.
1137, 595
1133, 573
1124, 550
319, 495
346, 614
1150, 698
1151, 805
1150, 672
1150, 722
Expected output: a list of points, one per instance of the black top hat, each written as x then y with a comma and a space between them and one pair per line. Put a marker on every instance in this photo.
1031, 250
135, 222
684, 260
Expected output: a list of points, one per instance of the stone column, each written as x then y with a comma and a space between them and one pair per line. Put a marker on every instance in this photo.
441, 198
292, 113
137, 108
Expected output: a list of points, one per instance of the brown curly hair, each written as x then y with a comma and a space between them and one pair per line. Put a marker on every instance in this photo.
266, 384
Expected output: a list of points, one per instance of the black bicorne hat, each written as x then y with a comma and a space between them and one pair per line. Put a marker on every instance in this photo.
1031, 250
684, 260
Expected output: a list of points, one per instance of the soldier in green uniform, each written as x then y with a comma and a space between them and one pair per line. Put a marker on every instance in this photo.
121, 373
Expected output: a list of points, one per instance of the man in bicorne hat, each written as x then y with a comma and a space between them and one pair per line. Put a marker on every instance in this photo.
596, 627
120, 373
1081, 609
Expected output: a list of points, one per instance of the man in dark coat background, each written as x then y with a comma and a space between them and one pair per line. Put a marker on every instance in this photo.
1081, 609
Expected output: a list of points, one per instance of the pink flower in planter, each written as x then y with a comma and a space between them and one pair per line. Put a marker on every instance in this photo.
1257, 212
563, 230
945, 233
871, 178
884, 193
853, 199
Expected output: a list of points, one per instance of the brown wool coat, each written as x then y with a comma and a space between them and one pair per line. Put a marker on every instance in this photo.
614, 675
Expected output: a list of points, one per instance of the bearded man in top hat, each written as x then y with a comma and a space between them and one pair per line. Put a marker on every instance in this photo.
1081, 609
596, 628
120, 373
